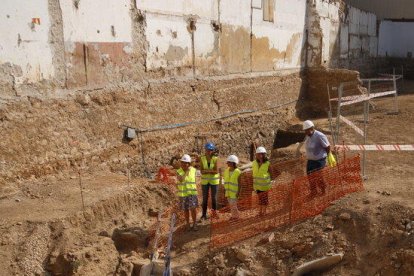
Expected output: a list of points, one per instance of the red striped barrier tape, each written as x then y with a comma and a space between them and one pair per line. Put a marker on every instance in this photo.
351, 124
371, 96
347, 100
375, 147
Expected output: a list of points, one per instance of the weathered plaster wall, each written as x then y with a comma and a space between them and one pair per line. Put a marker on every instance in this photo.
362, 34
339, 34
97, 43
25, 52
229, 36
279, 44
98, 40
235, 36
172, 39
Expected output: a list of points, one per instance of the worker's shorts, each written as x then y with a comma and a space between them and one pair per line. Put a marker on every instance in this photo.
263, 197
188, 202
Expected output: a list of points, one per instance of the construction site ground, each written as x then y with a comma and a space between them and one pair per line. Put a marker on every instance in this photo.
43, 228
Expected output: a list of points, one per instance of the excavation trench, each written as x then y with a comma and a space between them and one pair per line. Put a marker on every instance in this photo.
40, 181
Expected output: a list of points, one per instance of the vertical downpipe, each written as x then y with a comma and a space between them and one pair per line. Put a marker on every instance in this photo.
85, 61
193, 52
251, 35
219, 32
364, 153
394, 80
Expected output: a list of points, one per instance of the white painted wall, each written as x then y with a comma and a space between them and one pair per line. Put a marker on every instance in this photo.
34, 54
92, 21
235, 12
363, 32
164, 18
203, 9
330, 25
352, 35
289, 21
344, 43
396, 39
166, 30
159, 34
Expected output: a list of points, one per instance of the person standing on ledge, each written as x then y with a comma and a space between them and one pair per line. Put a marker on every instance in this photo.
231, 184
210, 178
187, 190
262, 180
317, 149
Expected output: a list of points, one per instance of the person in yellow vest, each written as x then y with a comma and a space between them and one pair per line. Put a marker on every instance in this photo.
231, 184
262, 179
187, 190
210, 178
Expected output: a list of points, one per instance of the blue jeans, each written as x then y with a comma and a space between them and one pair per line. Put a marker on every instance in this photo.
316, 180
315, 165
214, 189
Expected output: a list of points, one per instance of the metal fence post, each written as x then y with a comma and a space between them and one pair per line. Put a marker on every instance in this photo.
369, 93
338, 115
366, 110
396, 94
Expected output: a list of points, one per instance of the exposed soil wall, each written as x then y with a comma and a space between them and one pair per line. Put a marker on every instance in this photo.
49, 136
316, 99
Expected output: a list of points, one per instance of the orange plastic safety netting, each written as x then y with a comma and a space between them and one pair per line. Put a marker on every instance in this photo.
294, 197
290, 200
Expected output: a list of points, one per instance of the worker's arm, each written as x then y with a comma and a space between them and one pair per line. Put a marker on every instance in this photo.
214, 170
202, 170
179, 177
325, 143
182, 177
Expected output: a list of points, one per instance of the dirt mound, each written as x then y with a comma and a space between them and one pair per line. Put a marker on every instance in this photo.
85, 243
364, 236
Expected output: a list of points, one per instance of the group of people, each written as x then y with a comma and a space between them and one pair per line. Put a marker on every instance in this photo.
317, 149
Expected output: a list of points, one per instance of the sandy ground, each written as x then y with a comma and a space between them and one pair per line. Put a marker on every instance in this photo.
41, 201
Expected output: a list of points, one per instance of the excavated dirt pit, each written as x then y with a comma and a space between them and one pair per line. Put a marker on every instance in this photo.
45, 231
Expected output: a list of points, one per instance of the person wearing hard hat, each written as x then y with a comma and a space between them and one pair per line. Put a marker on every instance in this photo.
187, 190
210, 178
317, 149
231, 184
262, 180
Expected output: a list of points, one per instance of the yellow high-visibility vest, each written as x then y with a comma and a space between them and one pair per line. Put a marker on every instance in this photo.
261, 176
231, 183
188, 186
213, 179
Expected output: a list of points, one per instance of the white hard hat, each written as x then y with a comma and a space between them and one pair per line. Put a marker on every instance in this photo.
186, 158
307, 124
261, 150
233, 158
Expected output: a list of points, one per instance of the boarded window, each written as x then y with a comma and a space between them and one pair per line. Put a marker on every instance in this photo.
268, 10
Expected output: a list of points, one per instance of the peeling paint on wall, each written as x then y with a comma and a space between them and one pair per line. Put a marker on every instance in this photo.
235, 49
175, 53
339, 32
265, 58
24, 48
96, 63
76, 46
